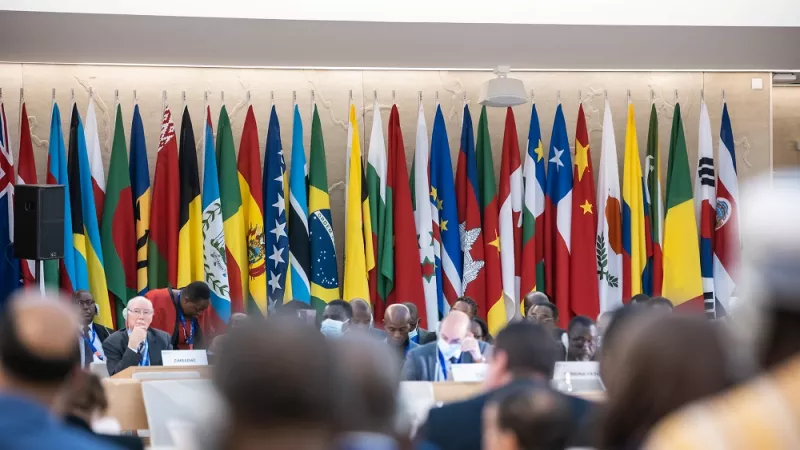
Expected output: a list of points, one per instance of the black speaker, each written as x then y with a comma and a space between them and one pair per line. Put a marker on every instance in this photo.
39, 221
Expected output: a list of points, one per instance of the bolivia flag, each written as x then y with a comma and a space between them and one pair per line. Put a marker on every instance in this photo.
532, 260
162, 264
190, 237
26, 174
252, 201
634, 256
140, 188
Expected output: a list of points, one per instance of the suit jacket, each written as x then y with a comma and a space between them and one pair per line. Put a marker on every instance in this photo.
426, 336
166, 302
119, 357
420, 362
459, 426
102, 332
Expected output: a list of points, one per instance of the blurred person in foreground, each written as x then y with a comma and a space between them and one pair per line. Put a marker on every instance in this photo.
138, 344
639, 299
603, 320
527, 418
417, 334
178, 311
280, 383
396, 323
363, 319
91, 335
582, 339
615, 343
661, 304
762, 413
665, 362
432, 361
523, 356
466, 305
38, 360
237, 320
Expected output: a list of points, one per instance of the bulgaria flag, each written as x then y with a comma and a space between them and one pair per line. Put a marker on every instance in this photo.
163, 245
510, 223
376, 185
95, 159
609, 228
705, 207
532, 270
26, 174
726, 234
558, 213
424, 220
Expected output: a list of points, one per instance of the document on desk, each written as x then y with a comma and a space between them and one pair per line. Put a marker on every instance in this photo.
468, 373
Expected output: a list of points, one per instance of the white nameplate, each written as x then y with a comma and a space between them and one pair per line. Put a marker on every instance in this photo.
468, 373
184, 358
579, 369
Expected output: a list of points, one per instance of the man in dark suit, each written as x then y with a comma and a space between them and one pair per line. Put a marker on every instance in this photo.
90, 335
524, 354
137, 344
418, 335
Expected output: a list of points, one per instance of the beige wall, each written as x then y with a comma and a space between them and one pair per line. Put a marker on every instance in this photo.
786, 123
749, 109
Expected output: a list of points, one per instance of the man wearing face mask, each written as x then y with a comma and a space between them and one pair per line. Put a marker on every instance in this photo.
335, 315
418, 335
433, 361
137, 344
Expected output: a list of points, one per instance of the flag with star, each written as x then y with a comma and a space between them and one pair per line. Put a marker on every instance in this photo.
376, 187
510, 201
423, 217
9, 275
356, 266
473, 275
399, 246
532, 258
299, 254
324, 276
727, 244
583, 264
250, 186
443, 187
233, 224
558, 214
26, 174
274, 190
496, 314
652, 181
634, 244
609, 227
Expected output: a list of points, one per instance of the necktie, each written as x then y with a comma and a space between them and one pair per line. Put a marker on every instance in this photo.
88, 355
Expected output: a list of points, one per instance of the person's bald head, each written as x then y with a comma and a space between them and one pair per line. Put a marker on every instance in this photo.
37, 345
362, 313
455, 327
534, 298
397, 324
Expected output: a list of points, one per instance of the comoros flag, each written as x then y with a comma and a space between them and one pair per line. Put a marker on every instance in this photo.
727, 244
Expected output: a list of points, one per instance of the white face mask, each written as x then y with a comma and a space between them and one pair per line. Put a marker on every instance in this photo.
449, 350
331, 328
413, 333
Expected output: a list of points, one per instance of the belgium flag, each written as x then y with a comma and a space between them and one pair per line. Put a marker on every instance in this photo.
190, 237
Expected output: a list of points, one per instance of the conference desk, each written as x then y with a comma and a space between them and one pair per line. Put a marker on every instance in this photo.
126, 404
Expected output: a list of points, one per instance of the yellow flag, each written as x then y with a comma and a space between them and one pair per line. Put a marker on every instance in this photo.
355, 261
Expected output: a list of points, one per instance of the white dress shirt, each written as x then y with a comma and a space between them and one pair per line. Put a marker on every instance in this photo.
95, 341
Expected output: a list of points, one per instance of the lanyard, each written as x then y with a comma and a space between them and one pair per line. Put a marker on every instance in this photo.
443, 363
192, 328
89, 341
144, 351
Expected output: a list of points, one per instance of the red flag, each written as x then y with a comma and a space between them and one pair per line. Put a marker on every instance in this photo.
583, 263
510, 225
26, 174
163, 244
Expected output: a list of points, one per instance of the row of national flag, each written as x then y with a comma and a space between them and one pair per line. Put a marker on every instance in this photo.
262, 235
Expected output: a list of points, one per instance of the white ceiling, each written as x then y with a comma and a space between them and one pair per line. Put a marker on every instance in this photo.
136, 39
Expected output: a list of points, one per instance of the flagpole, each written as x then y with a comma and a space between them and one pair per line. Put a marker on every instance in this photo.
163, 102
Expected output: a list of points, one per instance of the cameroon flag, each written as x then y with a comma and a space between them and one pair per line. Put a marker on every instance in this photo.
162, 263
355, 259
190, 236
682, 281
232, 215
117, 232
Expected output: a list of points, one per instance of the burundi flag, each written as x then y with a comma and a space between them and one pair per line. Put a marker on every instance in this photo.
727, 244
608, 245
496, 314
140, 188
117, 231
26, 174
532, 259
252, 201
190, 234
95, 159
652, 176
90, 273
399, 248
423, 219
510, 223
583, 257
232, 215
60, 273
376, 186
9, 265
682, 279
444, 193
162, 264
324, 275
705, 207
274, 191
369, 257
634, 256
215, 264
473, 279
299, 253
558, 212
355, 257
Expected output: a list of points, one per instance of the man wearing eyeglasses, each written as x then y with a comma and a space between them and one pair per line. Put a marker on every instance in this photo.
137, 344
91, 335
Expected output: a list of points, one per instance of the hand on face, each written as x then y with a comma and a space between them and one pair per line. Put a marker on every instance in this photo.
470, 344
138, 335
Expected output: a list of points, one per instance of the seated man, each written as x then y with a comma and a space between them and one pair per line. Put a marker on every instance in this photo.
545, 314
417, 334
362, 318
467, 306
582, 335
534, 298
137, 344
177, 312
396, 323
432, 361
92, 335
334, 316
